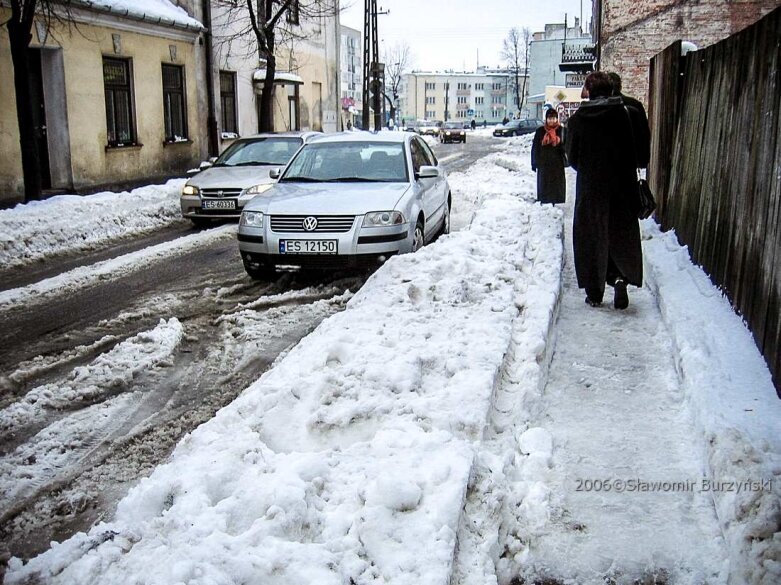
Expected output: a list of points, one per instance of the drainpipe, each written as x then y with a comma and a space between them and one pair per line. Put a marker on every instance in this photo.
211, 120
597, 36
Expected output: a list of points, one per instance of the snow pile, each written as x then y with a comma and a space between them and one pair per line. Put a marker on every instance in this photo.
501, 172
735, 407
65, 224
108, 374
350, 459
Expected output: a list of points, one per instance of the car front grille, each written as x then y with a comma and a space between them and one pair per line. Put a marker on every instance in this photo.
325, 223
219, 193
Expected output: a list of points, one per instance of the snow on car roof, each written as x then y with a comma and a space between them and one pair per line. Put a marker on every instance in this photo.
382, 136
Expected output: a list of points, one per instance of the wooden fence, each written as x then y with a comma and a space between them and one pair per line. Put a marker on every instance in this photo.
716, 168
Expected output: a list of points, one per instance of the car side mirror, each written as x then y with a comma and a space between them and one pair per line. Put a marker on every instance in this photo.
427, 172
275, 173
212, 159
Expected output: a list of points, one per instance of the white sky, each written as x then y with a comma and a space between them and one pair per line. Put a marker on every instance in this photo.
448, 34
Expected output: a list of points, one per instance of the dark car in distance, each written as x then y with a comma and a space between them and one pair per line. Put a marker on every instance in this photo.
517, 128
452, 132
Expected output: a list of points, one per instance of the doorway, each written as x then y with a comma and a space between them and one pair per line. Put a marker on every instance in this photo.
38, 100
50, 118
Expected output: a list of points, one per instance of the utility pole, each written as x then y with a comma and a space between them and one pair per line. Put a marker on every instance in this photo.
373, 70
447, 93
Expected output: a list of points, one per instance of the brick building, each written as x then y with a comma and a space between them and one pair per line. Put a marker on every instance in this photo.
628, 33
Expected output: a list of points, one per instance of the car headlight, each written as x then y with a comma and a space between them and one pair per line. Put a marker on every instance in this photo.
252, 219
382, 218
447, 133
191, 190
257, 189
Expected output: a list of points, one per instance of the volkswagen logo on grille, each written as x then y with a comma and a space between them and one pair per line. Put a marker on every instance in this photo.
310, 223
220, 193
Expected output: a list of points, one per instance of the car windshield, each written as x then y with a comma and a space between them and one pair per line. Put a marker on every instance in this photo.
348, 162
259, 151
513, 124
453, 126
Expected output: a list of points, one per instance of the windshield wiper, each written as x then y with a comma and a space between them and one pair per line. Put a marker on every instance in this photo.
301, 180
350, 180
252, 163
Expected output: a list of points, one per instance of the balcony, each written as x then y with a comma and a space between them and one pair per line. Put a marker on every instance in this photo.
578, 58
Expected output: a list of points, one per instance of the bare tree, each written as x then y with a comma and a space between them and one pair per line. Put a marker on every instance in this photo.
267, 25
398, 61
515, 51
23, 15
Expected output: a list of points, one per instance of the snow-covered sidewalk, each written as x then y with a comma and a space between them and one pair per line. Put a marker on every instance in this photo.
615, 416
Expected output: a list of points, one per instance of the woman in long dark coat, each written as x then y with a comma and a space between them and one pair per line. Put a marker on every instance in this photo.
548, 159
606, 234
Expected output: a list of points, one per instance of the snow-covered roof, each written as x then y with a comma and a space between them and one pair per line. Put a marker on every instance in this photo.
279, 76
160, 12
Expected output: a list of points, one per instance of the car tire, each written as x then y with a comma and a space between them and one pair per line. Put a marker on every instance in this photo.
418, 237
446, 222
464, 140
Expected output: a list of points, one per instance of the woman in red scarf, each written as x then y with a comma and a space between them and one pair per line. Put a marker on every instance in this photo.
548, 160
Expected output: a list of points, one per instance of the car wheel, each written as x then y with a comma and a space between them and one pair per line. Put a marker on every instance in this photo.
418, 237
446, 221
464, 140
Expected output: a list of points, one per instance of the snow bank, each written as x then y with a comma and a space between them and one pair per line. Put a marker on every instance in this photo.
731, 395
42, 230
349, 460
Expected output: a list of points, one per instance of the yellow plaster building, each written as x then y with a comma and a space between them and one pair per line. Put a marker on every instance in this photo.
116, 100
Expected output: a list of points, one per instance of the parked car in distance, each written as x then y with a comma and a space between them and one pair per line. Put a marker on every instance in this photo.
347, 200
452, 132
221, 189
517, 127
428, 127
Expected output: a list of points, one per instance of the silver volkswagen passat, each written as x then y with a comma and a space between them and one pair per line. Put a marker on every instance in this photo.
220, 191
350, 199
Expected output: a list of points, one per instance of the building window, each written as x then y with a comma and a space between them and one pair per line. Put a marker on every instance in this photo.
228, 101
478, 86
462, 99
463, 86
430, 113
120, 118
496, 86
292, 12
479, 101
431, 85
431, 100
174, 112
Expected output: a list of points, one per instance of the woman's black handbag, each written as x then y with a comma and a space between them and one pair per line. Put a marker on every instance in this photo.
646, 201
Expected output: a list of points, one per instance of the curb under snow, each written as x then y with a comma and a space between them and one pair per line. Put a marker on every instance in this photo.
733, 402
348, 461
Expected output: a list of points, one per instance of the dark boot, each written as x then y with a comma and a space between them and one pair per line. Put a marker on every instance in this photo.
620, 296
594, 297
